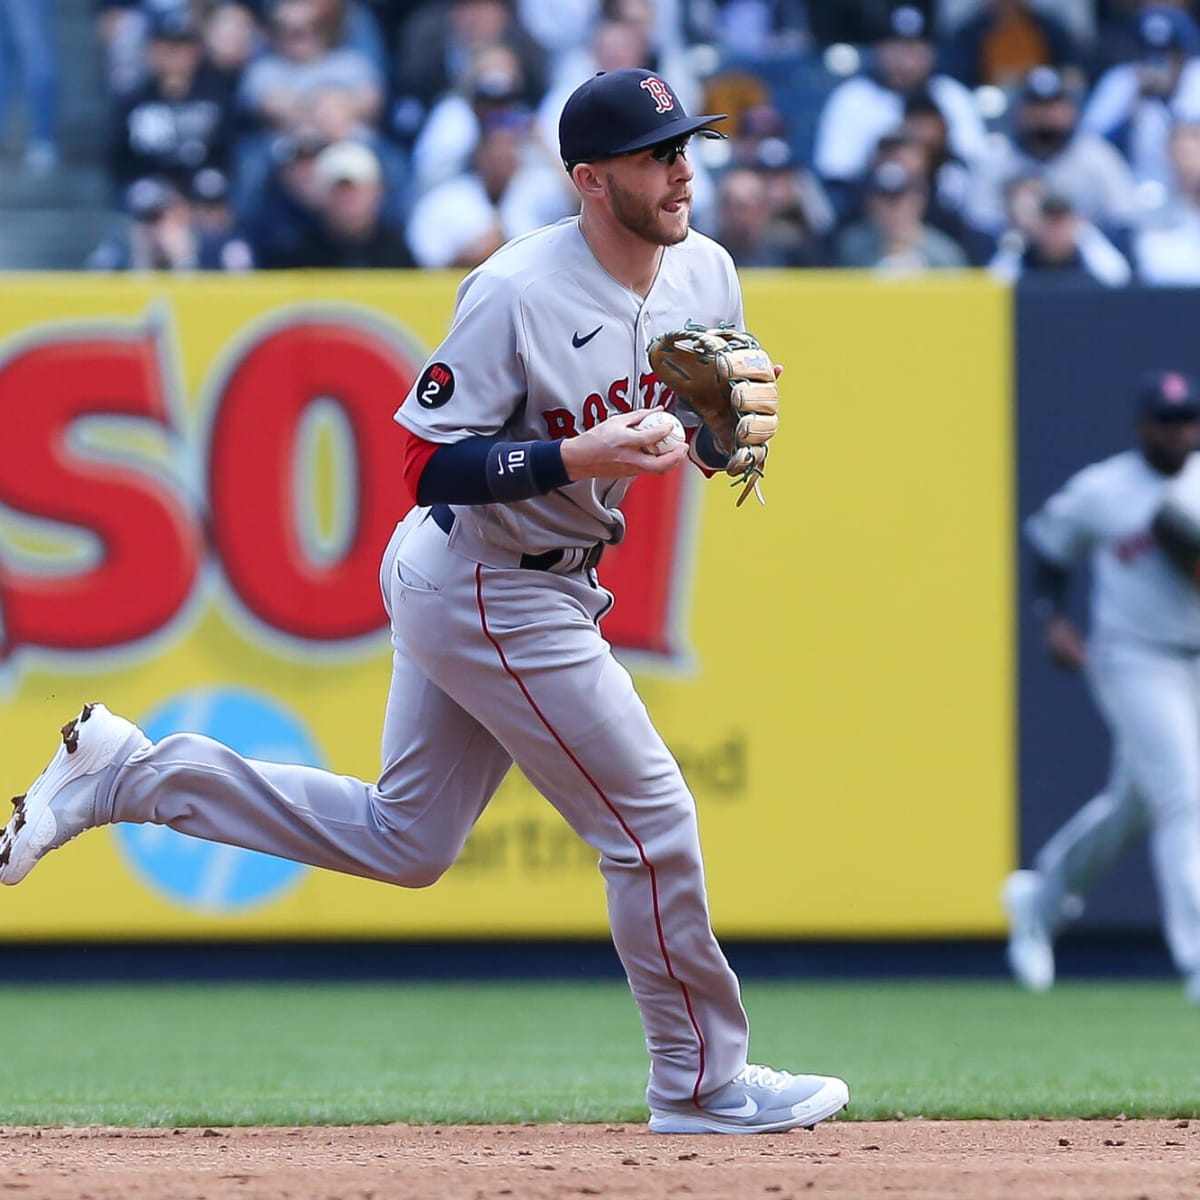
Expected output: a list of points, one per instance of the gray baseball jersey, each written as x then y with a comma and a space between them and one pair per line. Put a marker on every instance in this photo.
1144, 670
1104, 512
496, 663
545, 343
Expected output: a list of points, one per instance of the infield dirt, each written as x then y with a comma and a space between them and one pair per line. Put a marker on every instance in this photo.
899, 1160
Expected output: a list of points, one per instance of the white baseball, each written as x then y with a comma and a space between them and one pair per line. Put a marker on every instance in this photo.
673, 434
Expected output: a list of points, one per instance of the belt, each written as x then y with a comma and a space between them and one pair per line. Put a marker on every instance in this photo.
443, 518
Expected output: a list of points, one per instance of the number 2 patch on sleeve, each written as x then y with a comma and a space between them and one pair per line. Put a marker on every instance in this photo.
436, 385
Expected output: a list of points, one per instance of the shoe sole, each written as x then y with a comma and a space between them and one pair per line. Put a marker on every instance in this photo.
25, 838
830, 1099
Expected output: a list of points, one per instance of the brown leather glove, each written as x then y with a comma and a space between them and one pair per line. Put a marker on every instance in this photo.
728, 380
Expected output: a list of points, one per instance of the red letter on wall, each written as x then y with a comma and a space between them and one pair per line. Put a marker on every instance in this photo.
148, 545
251, 468
648, 571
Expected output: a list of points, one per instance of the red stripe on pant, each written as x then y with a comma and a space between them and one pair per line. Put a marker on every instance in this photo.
641, 850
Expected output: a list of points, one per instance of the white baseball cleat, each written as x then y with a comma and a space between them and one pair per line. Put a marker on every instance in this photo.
61, 804
1191, 987
1030, 941
758, 1100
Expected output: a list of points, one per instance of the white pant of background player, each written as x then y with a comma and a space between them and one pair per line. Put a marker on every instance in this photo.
492, 664
1149, 696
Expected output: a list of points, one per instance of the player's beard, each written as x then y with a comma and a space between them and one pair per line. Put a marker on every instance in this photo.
646, 218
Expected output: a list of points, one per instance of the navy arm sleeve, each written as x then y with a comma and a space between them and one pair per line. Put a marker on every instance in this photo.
483, 471
707, 450
1051, 584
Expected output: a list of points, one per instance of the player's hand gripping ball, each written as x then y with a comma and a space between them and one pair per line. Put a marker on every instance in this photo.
728, 380
672, 432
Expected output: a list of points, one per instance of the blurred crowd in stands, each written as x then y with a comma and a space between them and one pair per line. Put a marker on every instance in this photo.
1056, 138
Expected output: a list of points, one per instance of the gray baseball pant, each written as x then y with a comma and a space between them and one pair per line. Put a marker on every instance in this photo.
1150, 698
490, 667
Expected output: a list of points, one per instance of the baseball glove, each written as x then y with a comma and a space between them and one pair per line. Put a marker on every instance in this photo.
1177, 533
728, 380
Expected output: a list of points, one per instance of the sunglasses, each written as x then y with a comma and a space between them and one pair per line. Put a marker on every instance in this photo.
669, 152
665, 152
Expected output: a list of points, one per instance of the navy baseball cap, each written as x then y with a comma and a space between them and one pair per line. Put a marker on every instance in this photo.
905, 23
1161, 28
620, 112
892, 179
148, 198
1169, 396
209, 186
172, 25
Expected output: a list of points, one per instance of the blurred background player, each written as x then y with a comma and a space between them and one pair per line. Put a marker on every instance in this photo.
1142, 661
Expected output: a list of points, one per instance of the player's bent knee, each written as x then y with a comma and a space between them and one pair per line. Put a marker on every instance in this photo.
419, 875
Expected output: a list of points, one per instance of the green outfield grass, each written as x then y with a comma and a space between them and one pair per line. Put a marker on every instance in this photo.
288, 1055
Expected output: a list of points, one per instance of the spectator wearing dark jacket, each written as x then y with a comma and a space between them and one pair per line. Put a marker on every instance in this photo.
278, 200
352, 230
182, 118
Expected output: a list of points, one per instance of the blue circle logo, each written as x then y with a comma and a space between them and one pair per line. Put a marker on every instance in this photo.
210, 876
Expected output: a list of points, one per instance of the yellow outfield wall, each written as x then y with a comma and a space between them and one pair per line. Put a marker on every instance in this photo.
200, 479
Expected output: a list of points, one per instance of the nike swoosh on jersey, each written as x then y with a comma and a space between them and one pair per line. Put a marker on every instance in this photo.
578, 342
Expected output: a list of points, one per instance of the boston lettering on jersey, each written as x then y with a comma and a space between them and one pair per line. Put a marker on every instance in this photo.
1135, 545
561, 422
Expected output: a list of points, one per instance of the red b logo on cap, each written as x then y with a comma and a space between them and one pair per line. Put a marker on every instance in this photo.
663, 100
1174, 387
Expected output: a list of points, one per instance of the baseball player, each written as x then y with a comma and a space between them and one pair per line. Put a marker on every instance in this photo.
1135, 517
524, 444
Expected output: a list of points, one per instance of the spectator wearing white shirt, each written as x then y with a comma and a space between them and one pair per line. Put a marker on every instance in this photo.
460, 222
1135, 104
1047, 145
863, 109
493, 81
1166, 244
